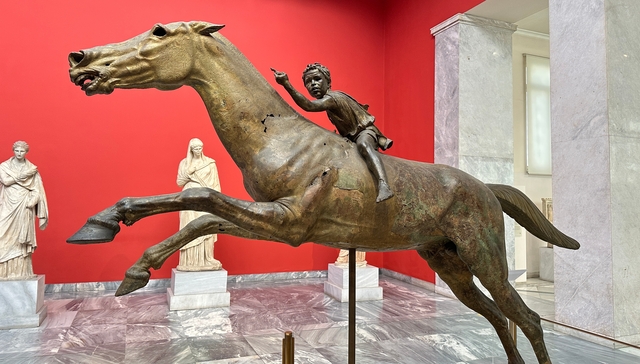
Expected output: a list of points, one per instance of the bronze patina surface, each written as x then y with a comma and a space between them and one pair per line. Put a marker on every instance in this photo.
311, 185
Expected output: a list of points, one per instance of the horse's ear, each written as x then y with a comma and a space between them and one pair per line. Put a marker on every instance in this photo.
204, 28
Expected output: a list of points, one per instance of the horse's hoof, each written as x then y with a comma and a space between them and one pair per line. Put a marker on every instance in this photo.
133, 281
93, 233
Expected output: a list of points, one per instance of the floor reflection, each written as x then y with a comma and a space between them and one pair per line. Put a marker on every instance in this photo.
411, 325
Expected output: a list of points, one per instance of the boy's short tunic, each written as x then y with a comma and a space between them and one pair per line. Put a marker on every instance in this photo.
353, 117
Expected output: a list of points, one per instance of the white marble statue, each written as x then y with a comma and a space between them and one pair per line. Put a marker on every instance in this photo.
22, 199
197, 170
343, 258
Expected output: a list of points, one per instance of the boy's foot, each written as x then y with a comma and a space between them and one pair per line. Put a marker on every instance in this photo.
384, 143
388, 144
384, 191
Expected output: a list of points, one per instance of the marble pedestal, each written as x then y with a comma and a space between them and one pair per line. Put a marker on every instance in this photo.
194, 290
546, 264
22, 303
367, 288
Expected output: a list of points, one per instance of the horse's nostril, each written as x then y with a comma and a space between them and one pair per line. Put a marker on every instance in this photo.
75, 57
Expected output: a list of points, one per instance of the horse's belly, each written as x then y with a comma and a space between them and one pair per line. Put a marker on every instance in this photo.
373, 234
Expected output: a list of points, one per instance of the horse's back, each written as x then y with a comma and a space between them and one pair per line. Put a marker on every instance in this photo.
425, 194
430, 197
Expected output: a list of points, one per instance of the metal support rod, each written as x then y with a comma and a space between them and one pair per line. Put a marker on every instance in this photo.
352, 306
288, 348
513, 330
591, 333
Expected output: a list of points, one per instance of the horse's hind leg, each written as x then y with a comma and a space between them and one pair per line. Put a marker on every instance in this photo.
453, 271
511, 304
484, 254
138, 275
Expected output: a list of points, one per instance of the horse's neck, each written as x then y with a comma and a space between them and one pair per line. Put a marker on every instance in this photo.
240, 103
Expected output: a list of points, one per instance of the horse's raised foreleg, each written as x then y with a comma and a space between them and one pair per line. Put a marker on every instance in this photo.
455, 273
154, 257
286, 219
103, 226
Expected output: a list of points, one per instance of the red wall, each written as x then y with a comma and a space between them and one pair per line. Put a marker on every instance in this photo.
409, 93
92, 151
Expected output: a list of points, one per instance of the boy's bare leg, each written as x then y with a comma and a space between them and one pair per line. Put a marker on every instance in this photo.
367, 147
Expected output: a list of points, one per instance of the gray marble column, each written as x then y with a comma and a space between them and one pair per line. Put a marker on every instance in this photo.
474, 102
595, 111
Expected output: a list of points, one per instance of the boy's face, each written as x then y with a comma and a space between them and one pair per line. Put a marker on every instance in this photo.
316, 84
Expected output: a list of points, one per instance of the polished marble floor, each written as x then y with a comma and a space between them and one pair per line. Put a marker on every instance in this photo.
539, 296
411, 325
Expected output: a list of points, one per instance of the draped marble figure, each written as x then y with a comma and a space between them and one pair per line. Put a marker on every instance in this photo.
22, 199
343, 258
197, 170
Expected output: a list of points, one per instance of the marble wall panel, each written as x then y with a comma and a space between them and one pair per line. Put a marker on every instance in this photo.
411, 280
277, 276
625, 197
596, 141
581, 158
487, 169
584, 292
154, 284
473, 106
578, 70
584, 297
486, 95
162, 284
623, 50
447, 98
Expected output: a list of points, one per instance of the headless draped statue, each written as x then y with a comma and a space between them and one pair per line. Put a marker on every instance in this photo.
343, 258
197, 170
22, 199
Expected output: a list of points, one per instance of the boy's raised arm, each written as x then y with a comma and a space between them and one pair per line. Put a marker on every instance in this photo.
322, 104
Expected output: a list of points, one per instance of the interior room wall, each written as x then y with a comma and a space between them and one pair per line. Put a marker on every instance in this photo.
536, 186
92, 151
409, 93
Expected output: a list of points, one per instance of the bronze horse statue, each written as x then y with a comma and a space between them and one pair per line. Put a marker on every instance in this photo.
311, 185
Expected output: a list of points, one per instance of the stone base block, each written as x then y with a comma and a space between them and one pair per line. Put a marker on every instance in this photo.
22, 303
362, 294
546, 264
367, 286
195, 290
197, 301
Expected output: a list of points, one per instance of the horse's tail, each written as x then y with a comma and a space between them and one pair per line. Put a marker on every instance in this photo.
517, 205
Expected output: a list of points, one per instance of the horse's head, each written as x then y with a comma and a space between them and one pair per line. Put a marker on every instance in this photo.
161, 58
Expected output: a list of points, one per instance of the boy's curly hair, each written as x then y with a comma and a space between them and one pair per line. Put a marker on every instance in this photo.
320, 68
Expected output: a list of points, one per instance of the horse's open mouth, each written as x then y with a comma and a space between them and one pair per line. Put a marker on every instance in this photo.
86, 80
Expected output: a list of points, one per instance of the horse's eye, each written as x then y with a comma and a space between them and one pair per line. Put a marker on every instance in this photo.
159, 31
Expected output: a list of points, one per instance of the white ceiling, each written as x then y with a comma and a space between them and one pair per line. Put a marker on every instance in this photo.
538, 22
527, 14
